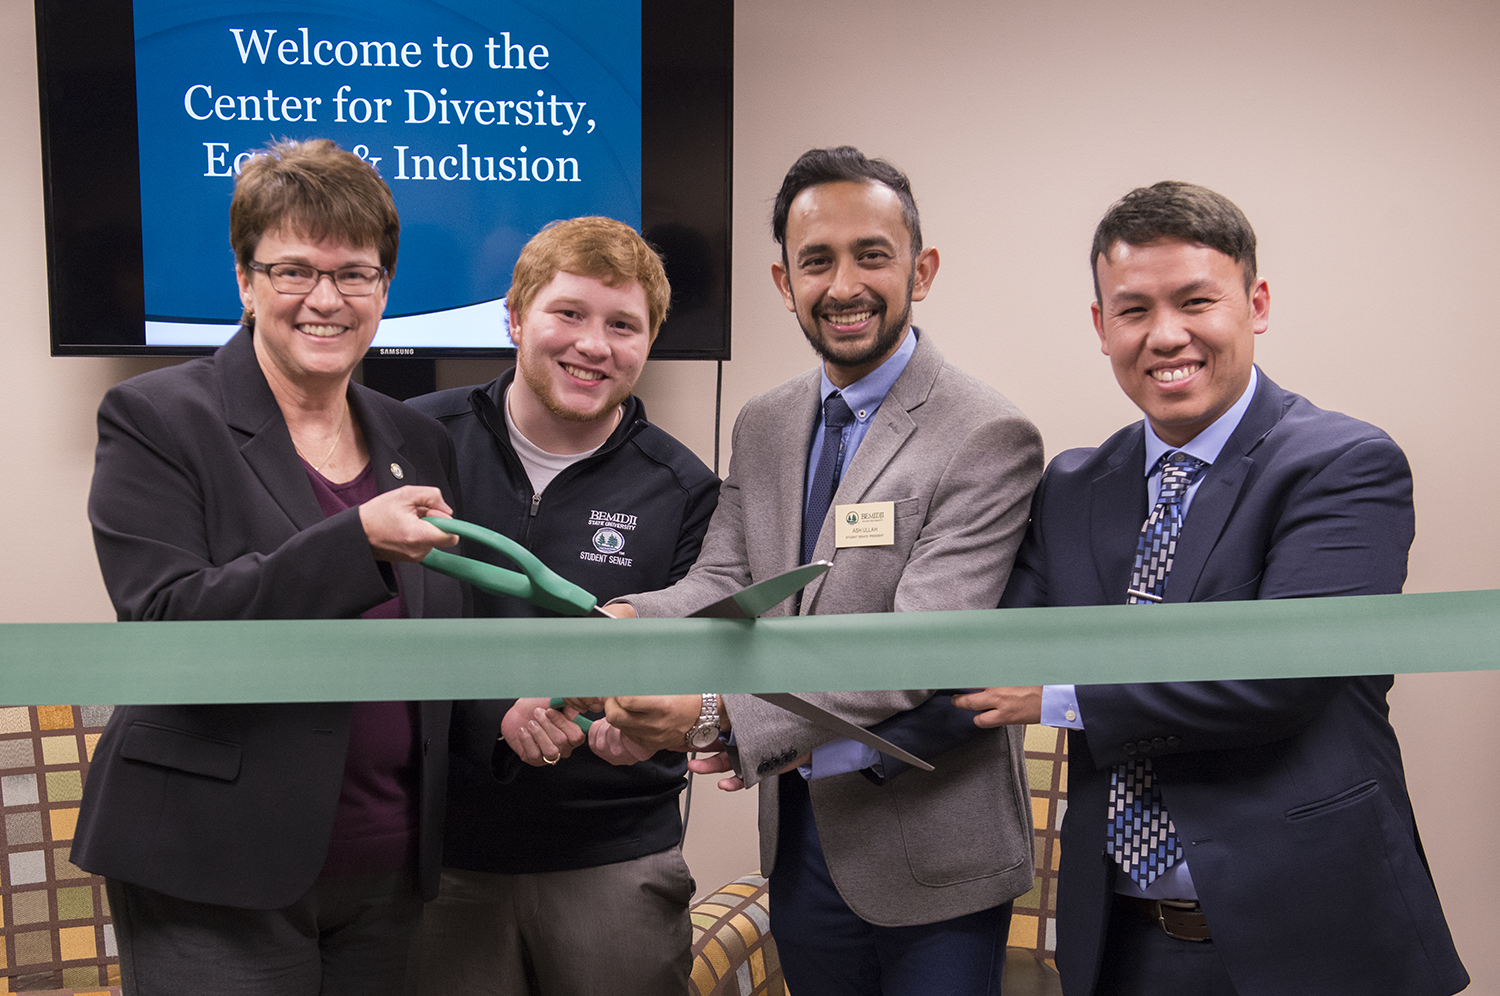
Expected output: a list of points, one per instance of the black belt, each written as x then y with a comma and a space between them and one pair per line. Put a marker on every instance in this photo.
1179, 918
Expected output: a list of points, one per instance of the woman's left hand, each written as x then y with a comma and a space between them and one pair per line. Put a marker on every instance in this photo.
393, 523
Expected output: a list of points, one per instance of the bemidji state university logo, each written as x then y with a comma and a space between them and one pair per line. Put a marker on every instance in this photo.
608, 540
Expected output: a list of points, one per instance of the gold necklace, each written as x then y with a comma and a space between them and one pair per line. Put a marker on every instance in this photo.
343, 415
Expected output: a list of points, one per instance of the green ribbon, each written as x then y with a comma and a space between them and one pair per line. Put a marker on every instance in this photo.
375, 660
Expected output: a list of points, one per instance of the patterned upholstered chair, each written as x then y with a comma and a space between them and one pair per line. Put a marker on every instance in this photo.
54, 919
733, 953
1033, 926
1031, 965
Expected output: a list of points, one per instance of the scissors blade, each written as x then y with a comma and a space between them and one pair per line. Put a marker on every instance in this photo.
758, 598
817, 714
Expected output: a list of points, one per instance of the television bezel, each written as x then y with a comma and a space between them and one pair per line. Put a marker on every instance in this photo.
91, 173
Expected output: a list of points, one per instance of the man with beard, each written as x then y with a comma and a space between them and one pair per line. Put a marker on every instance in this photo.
560, 871
905, 887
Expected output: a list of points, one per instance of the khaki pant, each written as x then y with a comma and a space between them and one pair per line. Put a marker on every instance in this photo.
619, 929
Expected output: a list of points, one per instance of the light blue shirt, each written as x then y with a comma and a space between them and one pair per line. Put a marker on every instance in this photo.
864, 398
1060, 702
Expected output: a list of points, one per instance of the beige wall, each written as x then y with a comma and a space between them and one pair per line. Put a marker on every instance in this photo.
1361, 139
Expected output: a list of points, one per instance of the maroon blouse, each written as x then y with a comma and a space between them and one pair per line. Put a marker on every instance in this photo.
375, 827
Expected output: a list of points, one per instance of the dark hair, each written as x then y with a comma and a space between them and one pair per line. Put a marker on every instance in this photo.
1173, 209
607, 250
843, 164
317, 190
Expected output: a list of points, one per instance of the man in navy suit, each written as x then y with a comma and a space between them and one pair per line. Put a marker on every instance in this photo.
1291, 862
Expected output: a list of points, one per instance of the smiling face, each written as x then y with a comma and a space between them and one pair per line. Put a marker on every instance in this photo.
580, 348
1179, 328
313, 338
849, 275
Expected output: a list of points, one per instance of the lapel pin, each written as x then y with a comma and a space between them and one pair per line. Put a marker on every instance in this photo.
396, 471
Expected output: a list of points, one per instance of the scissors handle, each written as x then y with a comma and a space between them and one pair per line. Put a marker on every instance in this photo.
583, 721
536, 583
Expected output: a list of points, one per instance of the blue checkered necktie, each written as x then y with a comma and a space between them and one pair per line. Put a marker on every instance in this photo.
826, 474
1141, 836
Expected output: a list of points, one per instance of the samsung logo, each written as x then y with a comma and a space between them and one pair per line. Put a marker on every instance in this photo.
397, 351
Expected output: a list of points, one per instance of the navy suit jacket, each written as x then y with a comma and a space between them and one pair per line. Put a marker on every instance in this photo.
1288, 795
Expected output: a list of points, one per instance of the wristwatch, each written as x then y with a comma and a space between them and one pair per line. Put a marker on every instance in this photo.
706, 730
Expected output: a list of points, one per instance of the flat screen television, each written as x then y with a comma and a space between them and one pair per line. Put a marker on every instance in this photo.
487, 118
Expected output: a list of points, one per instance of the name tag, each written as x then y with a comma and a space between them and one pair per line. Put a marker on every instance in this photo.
870, 524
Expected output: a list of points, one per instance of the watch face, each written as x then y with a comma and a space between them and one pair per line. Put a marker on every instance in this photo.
701, 736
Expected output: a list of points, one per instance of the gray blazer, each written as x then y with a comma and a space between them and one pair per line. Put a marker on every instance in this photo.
960, 463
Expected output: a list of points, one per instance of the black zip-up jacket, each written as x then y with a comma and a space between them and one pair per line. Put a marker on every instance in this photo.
629, 518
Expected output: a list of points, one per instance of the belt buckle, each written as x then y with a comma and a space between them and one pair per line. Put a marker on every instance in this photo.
1189, 907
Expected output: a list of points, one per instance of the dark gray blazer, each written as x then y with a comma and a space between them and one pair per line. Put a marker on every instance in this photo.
1288, 795
201, 509
960, 462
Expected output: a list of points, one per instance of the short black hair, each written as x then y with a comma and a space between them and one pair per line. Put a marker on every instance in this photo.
845, 163
1173, 209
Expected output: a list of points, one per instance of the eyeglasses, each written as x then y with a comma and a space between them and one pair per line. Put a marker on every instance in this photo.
299, 278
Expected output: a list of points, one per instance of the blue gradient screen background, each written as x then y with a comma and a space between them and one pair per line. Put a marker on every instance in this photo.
487, 118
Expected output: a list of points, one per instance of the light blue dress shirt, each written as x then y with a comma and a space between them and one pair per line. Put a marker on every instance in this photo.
864, 398
1060, 702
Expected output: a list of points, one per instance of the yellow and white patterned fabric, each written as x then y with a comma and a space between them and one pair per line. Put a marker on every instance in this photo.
733, 954
1033, 923
54, 919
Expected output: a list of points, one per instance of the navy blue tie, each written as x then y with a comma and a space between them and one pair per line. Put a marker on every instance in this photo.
825, 481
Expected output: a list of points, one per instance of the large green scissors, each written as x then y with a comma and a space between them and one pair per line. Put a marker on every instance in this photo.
535, 582
541, 586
